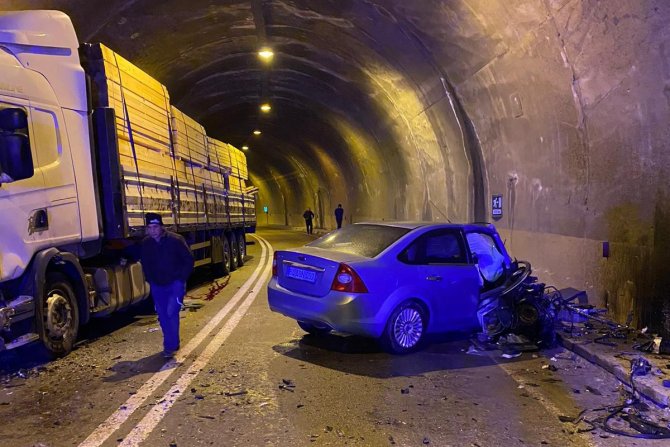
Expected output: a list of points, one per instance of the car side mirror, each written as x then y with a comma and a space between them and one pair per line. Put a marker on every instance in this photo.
16, 161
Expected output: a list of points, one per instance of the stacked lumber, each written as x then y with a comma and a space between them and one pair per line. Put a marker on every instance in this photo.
167, 163
189, 139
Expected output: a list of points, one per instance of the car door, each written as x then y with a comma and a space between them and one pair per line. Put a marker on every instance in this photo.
449, 283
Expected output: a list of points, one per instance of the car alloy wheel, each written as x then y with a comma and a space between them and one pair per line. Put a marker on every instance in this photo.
405, 328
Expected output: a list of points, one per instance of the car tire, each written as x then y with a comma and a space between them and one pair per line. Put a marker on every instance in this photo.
241, 249
232, 243
58, 315
405, 329
314, 329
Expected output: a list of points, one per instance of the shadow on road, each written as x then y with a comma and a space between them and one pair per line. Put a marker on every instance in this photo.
126, 368
364, 357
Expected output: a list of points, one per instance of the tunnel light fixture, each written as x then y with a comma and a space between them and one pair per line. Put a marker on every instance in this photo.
245, 148
266, 54
257, 132
265, 108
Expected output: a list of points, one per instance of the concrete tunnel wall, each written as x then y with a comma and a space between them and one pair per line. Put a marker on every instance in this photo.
424, 109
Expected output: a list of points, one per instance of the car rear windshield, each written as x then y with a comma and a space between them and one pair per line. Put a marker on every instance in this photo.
361, 239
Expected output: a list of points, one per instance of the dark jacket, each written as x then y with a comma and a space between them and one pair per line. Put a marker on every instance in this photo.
167, 260
339, 213
308, 215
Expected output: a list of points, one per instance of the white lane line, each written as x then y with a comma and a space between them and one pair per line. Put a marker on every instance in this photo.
144, 428
113, 422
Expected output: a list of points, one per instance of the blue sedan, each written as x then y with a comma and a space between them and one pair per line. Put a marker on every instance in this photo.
393, 281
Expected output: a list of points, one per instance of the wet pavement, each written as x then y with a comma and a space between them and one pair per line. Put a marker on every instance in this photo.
254, 378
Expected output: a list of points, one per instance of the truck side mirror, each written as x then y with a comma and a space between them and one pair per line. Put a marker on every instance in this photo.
16, 161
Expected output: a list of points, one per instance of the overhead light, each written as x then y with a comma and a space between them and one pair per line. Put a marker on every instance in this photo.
265, 108
266, 54
245, 148
257, 132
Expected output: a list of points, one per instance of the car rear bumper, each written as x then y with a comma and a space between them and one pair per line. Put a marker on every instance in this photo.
351, 313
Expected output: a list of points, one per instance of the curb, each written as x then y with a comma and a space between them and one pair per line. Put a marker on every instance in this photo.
647, 385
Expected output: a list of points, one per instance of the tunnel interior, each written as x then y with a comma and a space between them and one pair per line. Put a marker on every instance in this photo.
425, 110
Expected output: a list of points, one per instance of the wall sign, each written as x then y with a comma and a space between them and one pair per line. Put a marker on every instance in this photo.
265, 209
496, 206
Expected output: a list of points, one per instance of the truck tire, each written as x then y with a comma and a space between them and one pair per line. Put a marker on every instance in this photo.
223, 268
232, 242
58, 315
241, 249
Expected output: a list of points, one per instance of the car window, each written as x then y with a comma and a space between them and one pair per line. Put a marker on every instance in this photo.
489, 258
361, 239
435, 247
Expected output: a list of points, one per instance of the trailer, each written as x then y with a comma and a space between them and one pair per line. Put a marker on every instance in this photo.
89, 143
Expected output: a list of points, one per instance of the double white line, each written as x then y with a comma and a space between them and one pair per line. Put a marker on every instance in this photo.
142, 430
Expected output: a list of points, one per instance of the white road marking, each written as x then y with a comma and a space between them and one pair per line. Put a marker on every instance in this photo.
113, 422
144, 428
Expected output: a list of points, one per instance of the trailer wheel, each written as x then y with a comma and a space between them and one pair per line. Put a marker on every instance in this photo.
241, 249
233, 252
223, 268
58, 315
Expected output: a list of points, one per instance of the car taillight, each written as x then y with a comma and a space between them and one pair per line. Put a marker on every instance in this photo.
347, 280
274, 264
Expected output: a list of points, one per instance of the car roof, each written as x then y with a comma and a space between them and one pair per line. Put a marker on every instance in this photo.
412, 225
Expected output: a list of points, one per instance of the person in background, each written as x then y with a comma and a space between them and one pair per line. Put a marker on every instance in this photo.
308, 215
167, 262
339, 214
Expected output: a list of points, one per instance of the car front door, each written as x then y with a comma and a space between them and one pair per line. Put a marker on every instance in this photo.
450, 283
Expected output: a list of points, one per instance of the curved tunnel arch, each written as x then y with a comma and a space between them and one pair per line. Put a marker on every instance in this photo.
559, 105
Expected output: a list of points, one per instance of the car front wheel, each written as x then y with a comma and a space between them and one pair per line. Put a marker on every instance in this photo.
405, 329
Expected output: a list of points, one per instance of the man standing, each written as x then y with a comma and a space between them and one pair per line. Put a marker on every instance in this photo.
308, 215
167, 263
339, 214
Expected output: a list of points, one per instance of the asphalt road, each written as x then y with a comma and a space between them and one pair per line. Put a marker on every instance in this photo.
248, 377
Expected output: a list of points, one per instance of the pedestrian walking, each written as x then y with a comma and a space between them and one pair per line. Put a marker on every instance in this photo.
308, 215
167, 262
339, 214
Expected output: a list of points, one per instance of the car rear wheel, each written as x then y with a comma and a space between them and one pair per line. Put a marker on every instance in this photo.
405, 329
313, 328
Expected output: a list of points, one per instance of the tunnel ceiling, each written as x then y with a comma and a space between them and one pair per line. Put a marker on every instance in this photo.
362, 66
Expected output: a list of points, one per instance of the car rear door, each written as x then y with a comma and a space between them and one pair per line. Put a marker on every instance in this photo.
450, 283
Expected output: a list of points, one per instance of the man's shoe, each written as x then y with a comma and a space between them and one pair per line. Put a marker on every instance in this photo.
168, 354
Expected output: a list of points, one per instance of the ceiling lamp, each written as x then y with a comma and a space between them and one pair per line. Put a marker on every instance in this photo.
265, 108
266, 54
245, 148
257, 132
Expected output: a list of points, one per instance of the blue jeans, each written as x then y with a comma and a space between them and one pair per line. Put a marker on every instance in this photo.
168, 300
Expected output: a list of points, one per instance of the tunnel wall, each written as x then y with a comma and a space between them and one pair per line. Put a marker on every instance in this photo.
571, 113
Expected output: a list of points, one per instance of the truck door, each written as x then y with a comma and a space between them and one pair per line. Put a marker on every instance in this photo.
23, 204
50, 143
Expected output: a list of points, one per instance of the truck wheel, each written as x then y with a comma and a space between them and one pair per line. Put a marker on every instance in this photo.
241, 249
223, 268
233, 252
405, 328
58, 315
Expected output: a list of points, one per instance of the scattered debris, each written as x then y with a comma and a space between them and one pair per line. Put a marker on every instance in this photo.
287, 384
236, 393
404, 391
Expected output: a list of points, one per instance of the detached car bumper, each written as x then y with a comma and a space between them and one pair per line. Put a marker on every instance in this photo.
357, 314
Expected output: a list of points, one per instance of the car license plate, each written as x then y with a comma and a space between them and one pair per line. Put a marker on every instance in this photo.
301, 274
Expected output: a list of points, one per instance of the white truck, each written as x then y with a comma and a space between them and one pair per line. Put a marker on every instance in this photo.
88, 144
